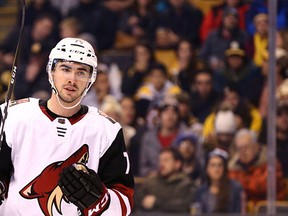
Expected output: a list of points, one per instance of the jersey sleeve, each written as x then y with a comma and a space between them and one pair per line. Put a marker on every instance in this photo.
114, 171
6, 166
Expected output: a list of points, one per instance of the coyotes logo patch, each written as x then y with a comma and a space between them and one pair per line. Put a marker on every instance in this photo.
45, 186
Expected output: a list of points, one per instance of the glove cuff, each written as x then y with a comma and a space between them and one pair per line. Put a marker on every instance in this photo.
98, 207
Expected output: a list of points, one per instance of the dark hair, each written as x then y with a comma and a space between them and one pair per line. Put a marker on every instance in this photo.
223, 196
158, 66
205, 70
282, 107
183, 97
175, 153
149, 47
44, 16
186, 40
244, 106
282, 63
150, 6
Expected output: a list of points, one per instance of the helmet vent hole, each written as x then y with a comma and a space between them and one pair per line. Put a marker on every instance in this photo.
81, 59
88, 55
69, 56
63, 49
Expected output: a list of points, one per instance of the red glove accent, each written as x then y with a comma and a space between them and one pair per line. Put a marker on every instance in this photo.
98, 207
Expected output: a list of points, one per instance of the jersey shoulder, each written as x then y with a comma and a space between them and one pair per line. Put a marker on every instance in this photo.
103, 122
102, 116
21, 107
22, 101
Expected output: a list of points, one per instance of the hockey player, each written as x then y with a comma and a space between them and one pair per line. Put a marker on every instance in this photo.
60, 157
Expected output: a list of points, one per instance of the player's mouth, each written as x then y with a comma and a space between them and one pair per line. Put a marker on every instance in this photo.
70, 89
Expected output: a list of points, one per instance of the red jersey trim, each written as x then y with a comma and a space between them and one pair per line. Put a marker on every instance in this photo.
52, 116
128, 192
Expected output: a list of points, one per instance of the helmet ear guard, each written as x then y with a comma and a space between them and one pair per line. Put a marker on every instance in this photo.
49, 69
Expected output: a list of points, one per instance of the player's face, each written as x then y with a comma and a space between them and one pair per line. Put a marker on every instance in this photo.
215, 168
71, 79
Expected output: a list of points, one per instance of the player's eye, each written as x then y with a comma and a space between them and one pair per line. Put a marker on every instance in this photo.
66, 69
82, 74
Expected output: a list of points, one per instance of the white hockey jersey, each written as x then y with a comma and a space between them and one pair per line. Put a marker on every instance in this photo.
42, 144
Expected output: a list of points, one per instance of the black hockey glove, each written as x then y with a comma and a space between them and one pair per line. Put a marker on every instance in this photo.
84, 188
2, 192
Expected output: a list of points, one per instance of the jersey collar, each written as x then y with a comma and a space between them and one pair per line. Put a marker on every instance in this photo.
52, 116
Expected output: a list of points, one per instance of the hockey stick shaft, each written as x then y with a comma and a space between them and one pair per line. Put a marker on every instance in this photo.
13, 75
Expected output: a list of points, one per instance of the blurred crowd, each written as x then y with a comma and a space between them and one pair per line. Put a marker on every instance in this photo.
189, 85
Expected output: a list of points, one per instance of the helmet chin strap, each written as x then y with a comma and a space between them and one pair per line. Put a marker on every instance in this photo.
68, 107
71, 107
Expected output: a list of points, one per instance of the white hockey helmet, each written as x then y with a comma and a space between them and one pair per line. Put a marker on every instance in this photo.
76, 50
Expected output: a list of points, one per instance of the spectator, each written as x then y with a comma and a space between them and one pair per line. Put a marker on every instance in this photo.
261, 6
186, 117
203, 97
90, 38
221, 135
187, 63
213, 49
135, 149
37, 38
69, 27
181, 20
104, 32
111, 107
36, 8
281, 134
128, 119
64, 5
99, 90
281, 73
218, 193
213, 18
134, 77
157, 138
136, 20
281, 39
117, 5
248, 116
241, 73
190, 148
248, 163
37, 41
282, 91
258, 43
154, 90
5, 74
84, 12
171, 190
